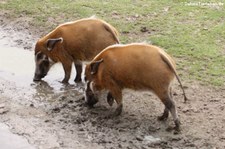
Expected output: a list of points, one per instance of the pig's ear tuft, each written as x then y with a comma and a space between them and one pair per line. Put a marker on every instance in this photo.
95, 65
52, 42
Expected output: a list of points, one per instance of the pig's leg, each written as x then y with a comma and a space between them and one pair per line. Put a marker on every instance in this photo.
173, 112
165, 115
78, 67
110, 99
116, 92
119, 108
67, 66
169, 106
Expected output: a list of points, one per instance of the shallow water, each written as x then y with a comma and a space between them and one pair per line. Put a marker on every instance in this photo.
17, 69
17, 65
11, 141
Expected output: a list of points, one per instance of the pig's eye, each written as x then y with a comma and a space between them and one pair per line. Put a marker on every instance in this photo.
39, 55
85, 79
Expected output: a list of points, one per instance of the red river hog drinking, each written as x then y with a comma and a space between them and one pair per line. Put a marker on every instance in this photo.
73, 42
137, 66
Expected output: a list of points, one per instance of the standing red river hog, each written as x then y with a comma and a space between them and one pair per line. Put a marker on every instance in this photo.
73, 42
137, 66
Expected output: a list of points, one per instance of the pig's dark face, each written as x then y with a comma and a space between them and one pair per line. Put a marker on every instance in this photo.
92, 83
42, 66
90, 98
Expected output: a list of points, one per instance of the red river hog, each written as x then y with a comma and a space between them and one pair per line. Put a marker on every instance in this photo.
137, 66
73, 42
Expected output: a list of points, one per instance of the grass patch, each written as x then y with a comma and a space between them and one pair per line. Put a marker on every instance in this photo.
193, 34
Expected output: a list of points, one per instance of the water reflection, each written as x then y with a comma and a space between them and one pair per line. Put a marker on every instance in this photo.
17, 67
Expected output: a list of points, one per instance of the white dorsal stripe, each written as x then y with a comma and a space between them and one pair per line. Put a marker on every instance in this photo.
120, 45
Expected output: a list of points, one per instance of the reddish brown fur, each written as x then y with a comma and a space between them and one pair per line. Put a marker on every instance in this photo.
82, 40
134, 66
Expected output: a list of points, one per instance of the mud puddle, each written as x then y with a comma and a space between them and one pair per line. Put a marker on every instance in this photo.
25, 104
11, 141
17, 64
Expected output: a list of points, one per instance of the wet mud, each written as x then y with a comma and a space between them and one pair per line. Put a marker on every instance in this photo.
10, 140
50, 115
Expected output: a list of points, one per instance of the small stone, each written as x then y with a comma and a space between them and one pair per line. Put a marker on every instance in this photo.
144, 29
166, 9
83, 113
93, 122
136, 15
214, 100
70, 101
103, 141
196, 111
46, 121
175, 139
144, 147
122, 130
139, 138
3, 110
151, 139
153, 129
2, 105
81, 129
78, 121
185, 110
190, 145
61, 120
57, 109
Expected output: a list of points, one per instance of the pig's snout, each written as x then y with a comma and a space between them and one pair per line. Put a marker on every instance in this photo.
91, 99
38, 77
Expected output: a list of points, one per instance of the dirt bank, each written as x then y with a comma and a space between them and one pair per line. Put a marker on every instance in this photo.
50, 117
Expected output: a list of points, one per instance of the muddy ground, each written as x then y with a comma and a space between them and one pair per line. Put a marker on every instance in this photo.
50, 115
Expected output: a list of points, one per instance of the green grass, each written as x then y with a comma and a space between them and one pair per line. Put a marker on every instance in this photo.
193, 35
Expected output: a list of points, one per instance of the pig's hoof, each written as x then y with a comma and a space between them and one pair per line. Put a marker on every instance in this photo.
162, 118
176, 131
110, 103
170, 128
65, 81
36, 80
177, 126
110, 99
116, 113
77, 79
118, 110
